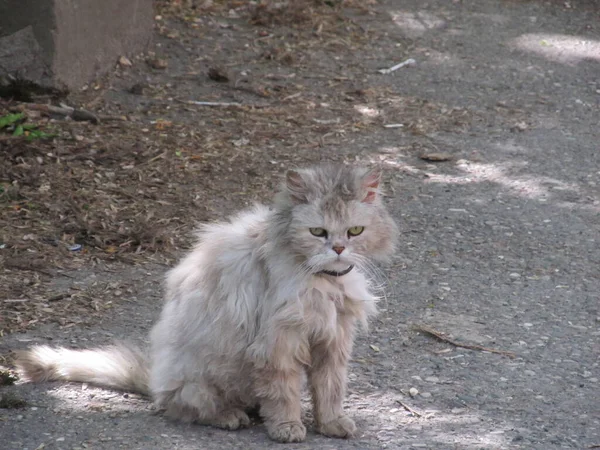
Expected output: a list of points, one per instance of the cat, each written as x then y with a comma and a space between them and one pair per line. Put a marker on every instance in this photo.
262, 303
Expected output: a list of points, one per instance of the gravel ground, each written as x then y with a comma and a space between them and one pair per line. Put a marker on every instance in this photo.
499, 248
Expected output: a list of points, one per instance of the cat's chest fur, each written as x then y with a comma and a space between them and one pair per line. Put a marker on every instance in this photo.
326, 300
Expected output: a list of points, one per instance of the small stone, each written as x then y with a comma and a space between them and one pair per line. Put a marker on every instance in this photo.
432, 379
413, 392
218, 73
520, 126
426, 394
60, 439
531, 373
515, 275
139, 88
157, 63
436, 156
125, 61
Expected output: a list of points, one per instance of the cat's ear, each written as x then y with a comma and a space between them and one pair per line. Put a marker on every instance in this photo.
370, 183
296, 186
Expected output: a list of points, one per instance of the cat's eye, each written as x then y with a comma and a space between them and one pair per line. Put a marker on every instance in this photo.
319, 232
355, 231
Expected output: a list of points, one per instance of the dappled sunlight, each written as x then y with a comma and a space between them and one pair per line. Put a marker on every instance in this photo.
559, 47
382, 416
84, 398
533, 187
415, 24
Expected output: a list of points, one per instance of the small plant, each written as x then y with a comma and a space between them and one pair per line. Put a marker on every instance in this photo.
7, 378
15, 124
9, 400
10, 119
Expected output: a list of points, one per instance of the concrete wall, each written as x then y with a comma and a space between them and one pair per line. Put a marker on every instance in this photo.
65, 44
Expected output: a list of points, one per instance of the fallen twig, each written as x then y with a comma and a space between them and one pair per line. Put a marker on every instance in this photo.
58, 297
409, 409
222, 104
438, 335
67, 111
9, 137
154, 158
289, 97
408, 62
113, 118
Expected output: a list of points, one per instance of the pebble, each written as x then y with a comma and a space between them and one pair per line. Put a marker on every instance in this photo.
515, 275
529, 372
432, 379
426, 395
413, 392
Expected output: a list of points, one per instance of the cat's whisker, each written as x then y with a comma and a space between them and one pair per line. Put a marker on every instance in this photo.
377, 278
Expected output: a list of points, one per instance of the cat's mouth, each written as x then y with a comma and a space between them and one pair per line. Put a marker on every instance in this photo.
335, 273
331, 265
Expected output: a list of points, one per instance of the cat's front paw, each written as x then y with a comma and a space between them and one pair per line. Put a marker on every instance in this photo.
342, 427
287, 432
231, 420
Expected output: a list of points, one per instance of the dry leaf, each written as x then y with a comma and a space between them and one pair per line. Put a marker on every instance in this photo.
125, 61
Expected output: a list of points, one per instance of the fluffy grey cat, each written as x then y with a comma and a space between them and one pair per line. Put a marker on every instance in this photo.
261, 301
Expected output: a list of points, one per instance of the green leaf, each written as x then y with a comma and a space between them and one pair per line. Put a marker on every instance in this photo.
9, 119
18, 131
38, 134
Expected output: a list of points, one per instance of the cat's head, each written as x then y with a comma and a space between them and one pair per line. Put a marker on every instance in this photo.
332, 216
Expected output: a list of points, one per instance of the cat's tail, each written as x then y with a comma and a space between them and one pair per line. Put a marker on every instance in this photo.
119, 366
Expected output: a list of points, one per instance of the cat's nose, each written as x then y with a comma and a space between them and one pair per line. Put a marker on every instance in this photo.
338, 250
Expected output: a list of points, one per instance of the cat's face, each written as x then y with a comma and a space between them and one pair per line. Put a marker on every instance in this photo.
337, 219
